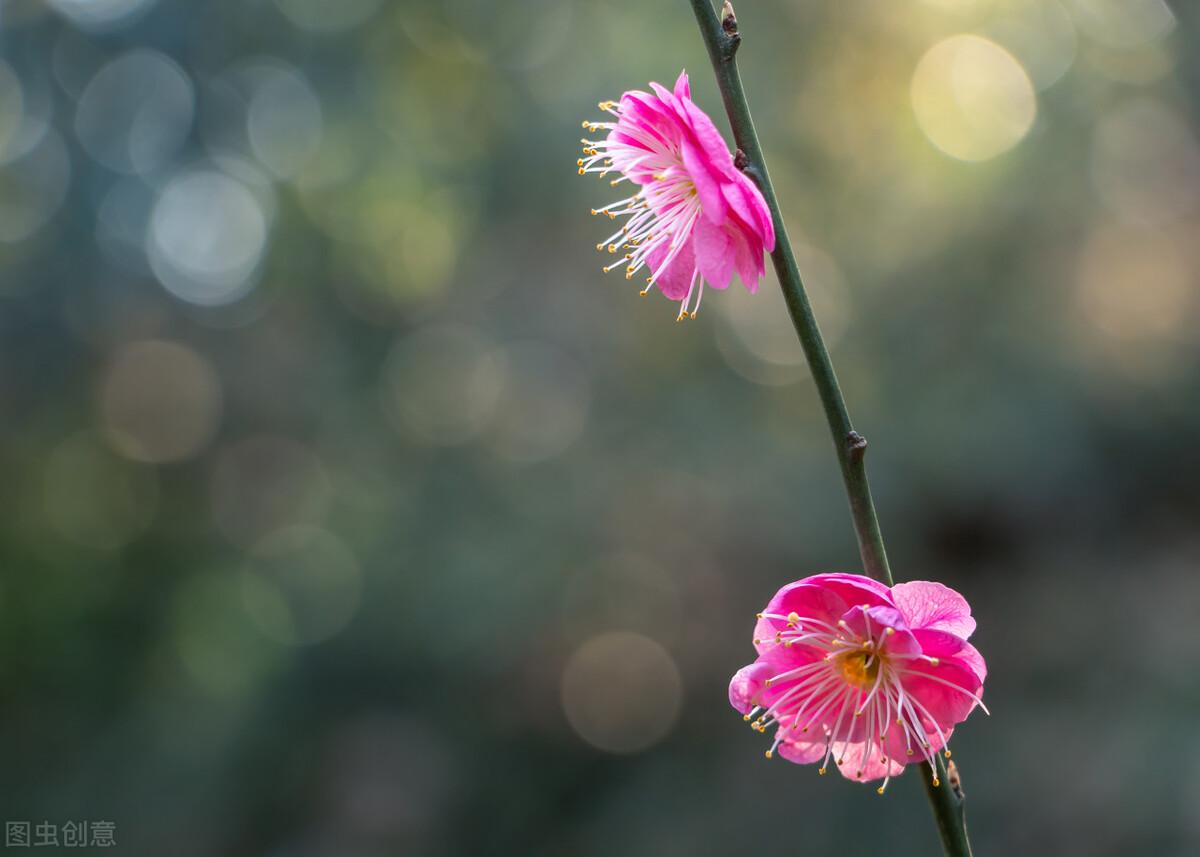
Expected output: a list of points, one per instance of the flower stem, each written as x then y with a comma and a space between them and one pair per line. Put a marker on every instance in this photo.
722, 38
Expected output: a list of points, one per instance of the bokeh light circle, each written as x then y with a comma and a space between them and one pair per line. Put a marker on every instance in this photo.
94, 498
159, 401
1146, 163
322, 16
207, 236
136, 112
622, 692
301, 585
755, 334
972, 98
101, 14
283, 120
1136, 286
1124, 24
441, 384
543, 406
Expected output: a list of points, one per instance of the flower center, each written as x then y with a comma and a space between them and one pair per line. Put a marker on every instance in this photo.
860, 668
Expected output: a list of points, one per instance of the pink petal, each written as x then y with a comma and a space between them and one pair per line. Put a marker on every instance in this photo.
714, 253
944, 690
802, 752
682, 88
931, 605
708, 187
948, 647
747, 262
709, 139
870, 621
855, 588
868, 758
676, 280
747, 202
805, 599
747, 684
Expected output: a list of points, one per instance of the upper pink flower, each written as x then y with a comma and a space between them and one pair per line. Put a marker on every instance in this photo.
696, 217
872, 677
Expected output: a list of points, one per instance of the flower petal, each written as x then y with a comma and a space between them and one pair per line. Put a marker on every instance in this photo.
949, 647
747, 684
714, 253
945, 691
676, 280
926, 604
683, 89
708, 186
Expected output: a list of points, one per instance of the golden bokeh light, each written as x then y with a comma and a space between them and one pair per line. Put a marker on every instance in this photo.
159, 401
621, 692
972, 98
1135, 286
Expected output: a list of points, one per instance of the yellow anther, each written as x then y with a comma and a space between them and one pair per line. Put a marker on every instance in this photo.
584, 124
947, 754
693, 314
934, 661
757, 615
746, 717
794, 617
582, 171
612, 248
579, 162
908, 751
821, 771
879, 790
936, 782
889, 631
768, 754
600, 247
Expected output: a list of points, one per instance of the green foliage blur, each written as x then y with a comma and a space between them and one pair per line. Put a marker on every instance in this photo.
350, 510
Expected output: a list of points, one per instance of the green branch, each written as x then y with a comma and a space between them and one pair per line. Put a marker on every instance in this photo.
722, 38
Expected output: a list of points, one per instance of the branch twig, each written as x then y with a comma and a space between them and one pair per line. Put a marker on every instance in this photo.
722, 38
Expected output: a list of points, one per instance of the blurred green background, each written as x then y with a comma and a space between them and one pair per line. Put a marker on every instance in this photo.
348, 509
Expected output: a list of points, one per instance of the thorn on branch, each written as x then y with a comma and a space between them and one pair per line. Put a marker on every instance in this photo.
740, 160
730, 25
856, 444
728, 19
955, 779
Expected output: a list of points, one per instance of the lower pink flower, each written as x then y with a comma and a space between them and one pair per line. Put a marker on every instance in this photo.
872, 677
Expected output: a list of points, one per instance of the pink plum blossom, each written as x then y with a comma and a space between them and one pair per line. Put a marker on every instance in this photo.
872, 677
696, 218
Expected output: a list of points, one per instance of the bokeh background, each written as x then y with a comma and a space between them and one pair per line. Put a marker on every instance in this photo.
348, 509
